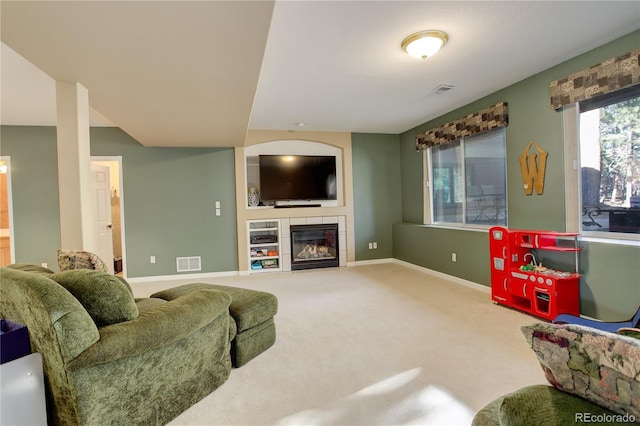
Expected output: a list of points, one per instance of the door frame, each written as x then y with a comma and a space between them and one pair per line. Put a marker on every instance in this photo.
118, 159
12, 238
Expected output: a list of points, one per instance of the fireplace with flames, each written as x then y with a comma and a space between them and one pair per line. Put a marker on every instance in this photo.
314, 246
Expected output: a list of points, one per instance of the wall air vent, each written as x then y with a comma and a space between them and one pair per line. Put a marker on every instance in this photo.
189, 264
442, 88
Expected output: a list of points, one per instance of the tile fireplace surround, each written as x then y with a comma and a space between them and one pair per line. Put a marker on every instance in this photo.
316, 220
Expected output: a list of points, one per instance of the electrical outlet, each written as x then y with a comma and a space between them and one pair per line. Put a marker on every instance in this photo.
454, 257
375, 245
370, 246
152, 259
44, 264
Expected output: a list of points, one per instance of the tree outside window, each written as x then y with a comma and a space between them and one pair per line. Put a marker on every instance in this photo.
610, 163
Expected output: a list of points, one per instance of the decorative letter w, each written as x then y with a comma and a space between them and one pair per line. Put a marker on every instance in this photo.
532, 170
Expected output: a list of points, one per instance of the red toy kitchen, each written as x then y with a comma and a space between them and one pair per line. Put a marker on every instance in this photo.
520, 281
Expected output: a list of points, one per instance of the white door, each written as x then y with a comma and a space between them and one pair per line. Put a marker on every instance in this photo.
102, 214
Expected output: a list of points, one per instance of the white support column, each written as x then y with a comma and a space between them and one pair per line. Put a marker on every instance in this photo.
74, 169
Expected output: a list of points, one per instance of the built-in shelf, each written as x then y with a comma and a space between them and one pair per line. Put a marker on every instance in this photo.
264, 245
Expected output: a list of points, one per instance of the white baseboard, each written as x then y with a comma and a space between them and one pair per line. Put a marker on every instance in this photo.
370, 262
182, 276
457, 280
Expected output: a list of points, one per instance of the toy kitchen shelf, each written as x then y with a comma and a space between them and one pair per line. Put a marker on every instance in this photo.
264, 245
520, 284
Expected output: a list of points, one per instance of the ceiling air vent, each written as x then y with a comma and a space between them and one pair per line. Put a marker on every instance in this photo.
442, 88
188, 264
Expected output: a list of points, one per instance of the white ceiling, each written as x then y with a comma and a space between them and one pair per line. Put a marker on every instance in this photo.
200, 73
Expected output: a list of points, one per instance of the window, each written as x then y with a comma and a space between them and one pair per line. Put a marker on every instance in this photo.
609, 155
468, 181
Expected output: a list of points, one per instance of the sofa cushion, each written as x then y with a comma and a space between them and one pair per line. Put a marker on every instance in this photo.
79, 259
599, 366
148, 303
107, 299
29, 267
250, 308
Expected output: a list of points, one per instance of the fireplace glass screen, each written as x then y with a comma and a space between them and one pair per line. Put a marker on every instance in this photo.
314, 246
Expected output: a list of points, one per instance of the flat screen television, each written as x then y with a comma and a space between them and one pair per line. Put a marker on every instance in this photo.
297, 178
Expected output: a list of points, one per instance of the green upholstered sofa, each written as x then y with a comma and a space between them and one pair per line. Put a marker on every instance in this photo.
594, 377
111, 359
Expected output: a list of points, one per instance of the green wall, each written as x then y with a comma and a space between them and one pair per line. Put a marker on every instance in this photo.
530, 119
376, 193
169, 199
431, 247
34, 184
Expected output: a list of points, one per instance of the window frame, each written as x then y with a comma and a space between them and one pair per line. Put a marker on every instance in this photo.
428, 190
573, 179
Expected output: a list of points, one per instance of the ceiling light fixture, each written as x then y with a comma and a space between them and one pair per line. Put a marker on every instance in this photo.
424, 43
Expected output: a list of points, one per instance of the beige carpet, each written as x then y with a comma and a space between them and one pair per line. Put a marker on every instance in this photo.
381, 344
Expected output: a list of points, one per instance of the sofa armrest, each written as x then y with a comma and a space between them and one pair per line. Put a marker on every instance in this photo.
154, 328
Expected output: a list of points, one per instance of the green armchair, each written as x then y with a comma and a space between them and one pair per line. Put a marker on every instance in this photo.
594, 377
111, 359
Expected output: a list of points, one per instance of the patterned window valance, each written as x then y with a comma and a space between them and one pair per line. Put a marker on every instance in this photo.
472, 124
603, 78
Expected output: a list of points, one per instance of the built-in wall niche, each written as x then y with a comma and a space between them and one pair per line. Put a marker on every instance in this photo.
292, 148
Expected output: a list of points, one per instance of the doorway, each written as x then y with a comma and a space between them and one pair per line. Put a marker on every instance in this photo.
7, 250
114, 211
